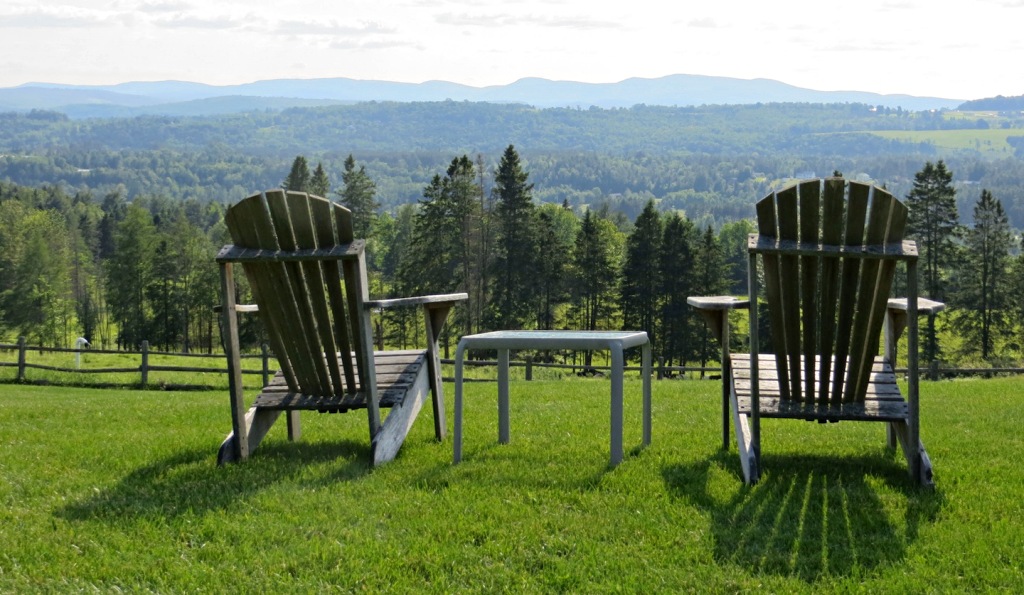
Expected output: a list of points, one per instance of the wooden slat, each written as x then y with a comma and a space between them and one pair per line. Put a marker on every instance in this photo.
396, 372
883, 400
834, 202
323, 220
866, 410
810, 227
789, 284
313, 378
248, 223
313, 275
903, 250
853, 235
870, 305
347, 251
767, 227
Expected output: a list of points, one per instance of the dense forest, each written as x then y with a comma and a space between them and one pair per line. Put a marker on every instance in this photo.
108, 227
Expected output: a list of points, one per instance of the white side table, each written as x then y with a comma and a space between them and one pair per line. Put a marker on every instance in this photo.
503, 341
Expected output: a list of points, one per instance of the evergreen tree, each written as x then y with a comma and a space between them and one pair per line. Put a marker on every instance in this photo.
515, 262
676, 283
710, 277
934, 223
983, 294
359, 195
320, 184
129, 271
557, 228
298, 177
39, 302
594, 267
639, 296
440, 257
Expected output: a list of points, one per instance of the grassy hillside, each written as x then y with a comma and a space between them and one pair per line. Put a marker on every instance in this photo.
118, 491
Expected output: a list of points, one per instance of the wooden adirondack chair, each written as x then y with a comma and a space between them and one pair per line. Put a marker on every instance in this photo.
308, 277
829, 250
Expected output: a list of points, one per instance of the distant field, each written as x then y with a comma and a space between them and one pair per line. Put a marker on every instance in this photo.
991, 142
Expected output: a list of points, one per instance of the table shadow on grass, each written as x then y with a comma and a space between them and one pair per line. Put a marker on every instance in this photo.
810, 516
191, 482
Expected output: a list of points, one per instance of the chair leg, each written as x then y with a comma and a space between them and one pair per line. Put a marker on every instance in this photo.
294, 426
915, 455
745, 445
257, 423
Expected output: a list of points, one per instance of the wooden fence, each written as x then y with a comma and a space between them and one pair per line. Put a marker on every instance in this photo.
143, 369
934, 372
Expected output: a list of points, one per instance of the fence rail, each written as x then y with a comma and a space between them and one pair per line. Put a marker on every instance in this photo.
143, 369
661, 371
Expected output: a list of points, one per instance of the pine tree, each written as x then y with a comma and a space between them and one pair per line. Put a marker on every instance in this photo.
515, 261
639, 296
983, 294
595, 264
934, 223
320, 184
557, 228
675, 276
129, 272
359, 195
440, 257
298, 177
711, 277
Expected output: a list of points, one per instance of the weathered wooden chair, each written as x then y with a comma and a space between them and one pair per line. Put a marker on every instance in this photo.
829, 250
308, 277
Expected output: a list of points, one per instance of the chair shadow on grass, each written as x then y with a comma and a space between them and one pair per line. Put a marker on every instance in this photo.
192, 482
809, 516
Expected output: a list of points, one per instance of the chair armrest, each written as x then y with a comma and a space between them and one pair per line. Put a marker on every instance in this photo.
424, 300
238, 308
718, 302
715, 310
924, 305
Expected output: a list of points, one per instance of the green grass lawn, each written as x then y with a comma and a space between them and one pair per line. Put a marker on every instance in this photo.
118, 490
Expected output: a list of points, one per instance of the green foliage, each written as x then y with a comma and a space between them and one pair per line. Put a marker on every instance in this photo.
639, 297
934, 223
358, 194
320, 184
298, 178
596, 261
515, 258
983, 278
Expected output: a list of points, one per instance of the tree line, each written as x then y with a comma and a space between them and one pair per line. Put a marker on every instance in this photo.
119, 271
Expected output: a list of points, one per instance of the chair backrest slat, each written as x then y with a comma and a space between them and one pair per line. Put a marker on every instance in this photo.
810, 230
833, 205
767, 226
826, 309
303, 304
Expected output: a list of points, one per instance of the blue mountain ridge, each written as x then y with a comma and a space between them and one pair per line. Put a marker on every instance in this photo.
190, 98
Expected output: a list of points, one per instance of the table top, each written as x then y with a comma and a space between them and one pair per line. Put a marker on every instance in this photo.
564, 339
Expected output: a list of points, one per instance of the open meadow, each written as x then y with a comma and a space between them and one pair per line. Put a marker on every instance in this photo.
118, 490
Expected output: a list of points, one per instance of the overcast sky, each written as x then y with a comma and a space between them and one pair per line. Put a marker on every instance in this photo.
962, 50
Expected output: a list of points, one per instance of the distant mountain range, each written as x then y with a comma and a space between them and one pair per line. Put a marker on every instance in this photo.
191, 99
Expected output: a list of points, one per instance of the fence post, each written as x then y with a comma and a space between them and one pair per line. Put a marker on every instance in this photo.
144, 368
529, 367
21, 359
266, 363
661, 367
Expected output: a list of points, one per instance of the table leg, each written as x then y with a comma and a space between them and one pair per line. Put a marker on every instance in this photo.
616, 423
457, 438
647, 392
503, 416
